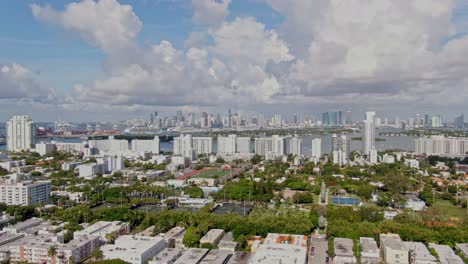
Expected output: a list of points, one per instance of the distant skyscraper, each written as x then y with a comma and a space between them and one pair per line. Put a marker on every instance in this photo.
426, 120
436, 121
325, 119
369, 133
317, 148
459, 121
229, 118
21, 133
417, 121
295, 119
397, 122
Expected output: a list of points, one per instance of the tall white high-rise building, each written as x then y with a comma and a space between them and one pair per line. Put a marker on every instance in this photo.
146, 145
21, 133
202, 145
295, 146
243, 145
340, 142
227, 145
187, 146
316, 148
369, 132
183, 146
270, 145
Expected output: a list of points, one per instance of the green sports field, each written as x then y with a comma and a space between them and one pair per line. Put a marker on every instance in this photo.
211, 174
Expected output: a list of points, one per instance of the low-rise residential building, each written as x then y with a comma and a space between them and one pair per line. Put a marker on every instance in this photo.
241, 257
216, 256
134, 249
103, 228
9, 165
212, 237
419, 254
413, 202
167, 256
192, 255
463, 248
175, 236
70, 165
89, 170
446, 254
227, 243
36, 250
76, 197
281, 248
18, 189
369, 251
344, 251
393, 250
44, 148
22, 226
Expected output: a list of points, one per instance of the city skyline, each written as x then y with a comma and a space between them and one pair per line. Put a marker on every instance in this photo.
59, 62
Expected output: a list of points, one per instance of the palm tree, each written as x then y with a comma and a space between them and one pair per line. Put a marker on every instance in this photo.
52, 253
97, 254
111, 237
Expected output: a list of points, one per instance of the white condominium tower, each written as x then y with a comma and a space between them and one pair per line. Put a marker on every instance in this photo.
227, 145
233, 144
146, 145
441, 146
21, 133
369, 133
270, 145
187, 145
317, 148
295, 146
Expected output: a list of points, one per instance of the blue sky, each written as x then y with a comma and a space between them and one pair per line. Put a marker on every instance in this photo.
396, 57
62, 59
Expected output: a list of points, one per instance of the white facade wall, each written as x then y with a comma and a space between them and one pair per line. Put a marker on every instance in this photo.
25, 192
227, 145
152, 146
317, 148
243, 145
21, 133
45, 148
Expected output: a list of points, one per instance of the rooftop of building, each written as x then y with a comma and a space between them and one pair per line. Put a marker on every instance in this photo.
102, 227
368, 245
463, 247
216, 256
241, 257
167, 254
212, 235
446, 254
420, 251
279, 253
392, 241
132, 244
175, 232
192, 255
295, 240
343, 246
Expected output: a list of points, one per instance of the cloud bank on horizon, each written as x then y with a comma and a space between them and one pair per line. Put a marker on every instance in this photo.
386, 53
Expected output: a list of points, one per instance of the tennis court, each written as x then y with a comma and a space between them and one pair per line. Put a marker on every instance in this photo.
346, 201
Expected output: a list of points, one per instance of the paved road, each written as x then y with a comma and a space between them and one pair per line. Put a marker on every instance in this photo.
320, 244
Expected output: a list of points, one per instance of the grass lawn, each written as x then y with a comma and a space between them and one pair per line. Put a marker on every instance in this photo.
212, 174
448, 209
